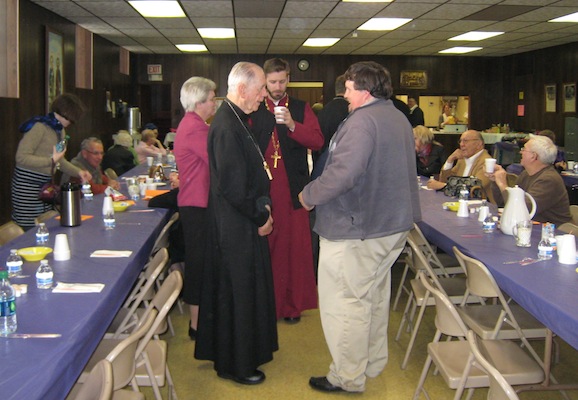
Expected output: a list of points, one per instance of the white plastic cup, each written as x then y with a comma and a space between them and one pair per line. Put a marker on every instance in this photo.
463, 210
61, 248
566, 248
150, 161
280, 114
151, 186
148, 181
107, 205
483, 213
143, 189
490, 165
570, 165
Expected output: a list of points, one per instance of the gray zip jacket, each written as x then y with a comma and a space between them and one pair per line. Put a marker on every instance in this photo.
368, 187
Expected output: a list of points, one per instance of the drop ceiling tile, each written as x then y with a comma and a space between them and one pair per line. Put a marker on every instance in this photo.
337, 23
454, 11
208, 8
406, 10
254, 33
127, 22
544, 14
109, 8
213, 22
256, 23
309, 8
356, 10
184, 33
464, 26
289, 34
170, 23
298, 24
140, 33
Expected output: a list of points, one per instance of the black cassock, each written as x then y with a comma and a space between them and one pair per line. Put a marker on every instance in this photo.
237, 323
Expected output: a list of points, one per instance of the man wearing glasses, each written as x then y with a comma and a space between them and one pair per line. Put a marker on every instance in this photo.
89, 159
540, 179
467, 160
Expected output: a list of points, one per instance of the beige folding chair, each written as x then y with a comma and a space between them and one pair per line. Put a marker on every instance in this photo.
499, 320
123, 354
9, 231
456, 363
500, 389
569, 227
45, 216
574, 213
443, 264
453, 287
98, 384
140, 296
511, 179
111, 174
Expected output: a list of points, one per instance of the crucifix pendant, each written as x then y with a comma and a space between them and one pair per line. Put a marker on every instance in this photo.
275, 158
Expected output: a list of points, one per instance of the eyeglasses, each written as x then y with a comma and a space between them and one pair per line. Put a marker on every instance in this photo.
465, 140
96, 153
525, 150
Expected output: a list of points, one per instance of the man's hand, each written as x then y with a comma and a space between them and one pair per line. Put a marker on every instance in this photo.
436, 185
498, 176
288, 119
268, 227
305, 206
56, 155
114, 184
84, 175
456, 155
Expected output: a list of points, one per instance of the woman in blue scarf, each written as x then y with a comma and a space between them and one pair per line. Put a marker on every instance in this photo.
37, 155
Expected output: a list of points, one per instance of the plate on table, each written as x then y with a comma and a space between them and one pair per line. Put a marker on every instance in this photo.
451, 205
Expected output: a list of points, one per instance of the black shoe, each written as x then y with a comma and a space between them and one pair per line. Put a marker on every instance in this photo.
192, 333
255, 379
321, 383
292, 320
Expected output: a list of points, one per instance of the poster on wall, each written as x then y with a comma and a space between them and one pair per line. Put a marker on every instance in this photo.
54, 66
550, 98
569, 97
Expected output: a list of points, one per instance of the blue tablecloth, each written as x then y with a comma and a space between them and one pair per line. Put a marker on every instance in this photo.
546, 289
47, 368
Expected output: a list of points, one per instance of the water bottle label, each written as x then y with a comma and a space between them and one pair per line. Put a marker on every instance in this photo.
14, 266
8, 307
44, 278
109, 223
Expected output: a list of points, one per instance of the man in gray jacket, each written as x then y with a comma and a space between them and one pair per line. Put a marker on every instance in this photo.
366, 201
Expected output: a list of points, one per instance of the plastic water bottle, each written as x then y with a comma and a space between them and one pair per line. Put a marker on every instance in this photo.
109, 220
87, 191
61, 146
42, 234
171, 159
546, 247
8, 322
44, 275
14, 263
489, 225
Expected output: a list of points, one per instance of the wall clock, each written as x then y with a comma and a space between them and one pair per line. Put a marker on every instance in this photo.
303, 65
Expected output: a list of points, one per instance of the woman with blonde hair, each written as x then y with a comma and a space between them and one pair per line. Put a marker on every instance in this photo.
430, 155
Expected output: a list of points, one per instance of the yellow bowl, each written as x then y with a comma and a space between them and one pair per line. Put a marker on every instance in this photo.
451, 205
120, 206
34, 253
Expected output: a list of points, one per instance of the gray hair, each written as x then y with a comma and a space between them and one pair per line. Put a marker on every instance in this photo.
196, 91
242, 72
88, 141
544, 148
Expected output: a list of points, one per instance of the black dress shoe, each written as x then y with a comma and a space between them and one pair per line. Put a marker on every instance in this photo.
192, 333
292, 320
255, 379
322, 384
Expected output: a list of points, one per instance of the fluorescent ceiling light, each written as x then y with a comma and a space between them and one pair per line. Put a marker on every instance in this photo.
476, 35
320, 42
192, 47
460, 50
158, 9
383, 24
217, 33
566, 18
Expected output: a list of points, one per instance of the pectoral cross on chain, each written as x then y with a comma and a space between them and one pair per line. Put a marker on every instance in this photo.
275, 158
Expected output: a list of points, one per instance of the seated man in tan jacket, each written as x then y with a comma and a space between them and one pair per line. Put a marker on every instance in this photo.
470, 158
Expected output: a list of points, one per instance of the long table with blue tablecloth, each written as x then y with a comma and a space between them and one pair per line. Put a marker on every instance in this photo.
547, 289
38, 368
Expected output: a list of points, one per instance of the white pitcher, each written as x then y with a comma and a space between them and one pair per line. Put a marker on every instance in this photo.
515, 209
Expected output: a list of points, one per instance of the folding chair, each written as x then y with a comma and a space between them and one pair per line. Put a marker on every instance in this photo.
46, 216
9, 231
98, 384
455, 361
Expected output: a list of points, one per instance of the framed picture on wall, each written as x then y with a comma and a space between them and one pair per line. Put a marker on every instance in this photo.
413, 79
550, 96
54, 65
569, 97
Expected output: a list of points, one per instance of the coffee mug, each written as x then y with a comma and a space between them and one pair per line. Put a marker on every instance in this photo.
523, 233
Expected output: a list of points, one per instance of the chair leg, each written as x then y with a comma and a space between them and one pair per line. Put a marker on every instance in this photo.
414, 332
404, 317
401, 288
170, 384
419, 389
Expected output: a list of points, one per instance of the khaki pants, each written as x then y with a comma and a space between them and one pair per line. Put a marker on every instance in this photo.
354, 294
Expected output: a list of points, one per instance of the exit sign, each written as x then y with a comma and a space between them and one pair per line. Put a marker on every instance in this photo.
155, 69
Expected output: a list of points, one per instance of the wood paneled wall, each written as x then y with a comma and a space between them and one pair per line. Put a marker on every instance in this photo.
493, 84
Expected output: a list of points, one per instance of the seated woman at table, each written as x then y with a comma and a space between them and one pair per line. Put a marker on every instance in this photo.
469, 161
429, 154
149, 146
560, 162
540, 180
120, 157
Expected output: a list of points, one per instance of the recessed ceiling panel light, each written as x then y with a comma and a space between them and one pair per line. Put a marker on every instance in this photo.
194, 48
476, 35
460, 50
383, 24
320, 42
158, 9
217, 33
566, 18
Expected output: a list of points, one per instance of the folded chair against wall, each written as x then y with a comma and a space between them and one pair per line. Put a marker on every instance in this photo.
569, 227
455, 361
9, 231
140, 296
98, 384
454, 287
500, 319
46, 216
574, 213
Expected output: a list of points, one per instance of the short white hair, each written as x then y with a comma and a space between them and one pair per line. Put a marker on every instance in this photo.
196, 91
544, 148
242, 72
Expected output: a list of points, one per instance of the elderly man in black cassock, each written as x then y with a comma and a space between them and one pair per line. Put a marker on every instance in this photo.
237, 323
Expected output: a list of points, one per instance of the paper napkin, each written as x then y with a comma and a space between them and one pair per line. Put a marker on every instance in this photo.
62, 287
111, 253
